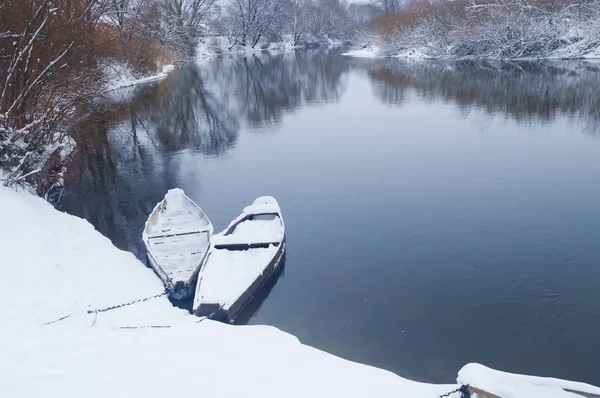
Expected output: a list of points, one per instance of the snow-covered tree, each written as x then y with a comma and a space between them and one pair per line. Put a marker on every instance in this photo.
247, 21
180, 22
48, 62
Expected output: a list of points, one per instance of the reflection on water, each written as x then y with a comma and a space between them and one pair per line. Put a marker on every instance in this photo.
523, 90
122, 145
437, 213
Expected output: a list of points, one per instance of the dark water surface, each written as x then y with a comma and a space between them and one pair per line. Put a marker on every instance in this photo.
436, 213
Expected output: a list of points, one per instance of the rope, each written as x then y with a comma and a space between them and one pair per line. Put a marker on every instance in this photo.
464, 392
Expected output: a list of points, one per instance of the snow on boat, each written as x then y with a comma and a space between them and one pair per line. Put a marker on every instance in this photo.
241, 260
177, 237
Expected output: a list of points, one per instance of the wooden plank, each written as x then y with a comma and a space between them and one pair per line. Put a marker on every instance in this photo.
177, 234
245, 246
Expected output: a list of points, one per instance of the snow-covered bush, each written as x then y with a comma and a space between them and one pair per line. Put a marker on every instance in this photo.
48, 62
495, 29
34, 157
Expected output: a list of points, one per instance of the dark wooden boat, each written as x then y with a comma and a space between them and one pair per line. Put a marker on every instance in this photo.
240, 261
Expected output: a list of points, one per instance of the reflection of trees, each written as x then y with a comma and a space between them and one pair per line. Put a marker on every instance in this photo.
264, 86
181, 113
126, 155
109, 164
123, 164
523, 90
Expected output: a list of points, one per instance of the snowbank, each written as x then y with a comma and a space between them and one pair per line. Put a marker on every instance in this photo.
120, 76
510, 385
367, 52
220, 45
56, 265
500, 30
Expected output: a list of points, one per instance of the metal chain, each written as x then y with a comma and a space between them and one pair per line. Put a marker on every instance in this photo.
464, 392
114, 307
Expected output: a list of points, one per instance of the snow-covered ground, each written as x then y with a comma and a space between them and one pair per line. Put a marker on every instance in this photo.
219, 45
54, 265
374, 51
367, 52
120, 76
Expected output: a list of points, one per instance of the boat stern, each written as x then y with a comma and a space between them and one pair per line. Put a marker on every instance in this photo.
213, 311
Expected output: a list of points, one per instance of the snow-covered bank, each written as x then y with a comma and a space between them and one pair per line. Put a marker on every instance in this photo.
366, 52
55, 264
219, 45
377, 51
498, 29
120, 76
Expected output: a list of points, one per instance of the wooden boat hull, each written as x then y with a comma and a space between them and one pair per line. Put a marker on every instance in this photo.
179, 290
177, 238
218, 313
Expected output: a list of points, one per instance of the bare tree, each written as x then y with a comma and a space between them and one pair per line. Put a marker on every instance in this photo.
180, 22
388, 6
493, 29
46, 64
127, 15
250, 20
327, 19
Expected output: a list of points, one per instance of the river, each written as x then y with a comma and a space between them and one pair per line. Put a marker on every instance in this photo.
437, 213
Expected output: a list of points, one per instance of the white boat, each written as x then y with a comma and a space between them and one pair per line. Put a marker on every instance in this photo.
241, 260
177, 237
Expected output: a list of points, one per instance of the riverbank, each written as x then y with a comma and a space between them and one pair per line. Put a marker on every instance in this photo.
379, 51
478, 30
120, 76
57, 331
218, 46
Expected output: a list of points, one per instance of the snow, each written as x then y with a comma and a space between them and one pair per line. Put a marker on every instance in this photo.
121, 76
179, 257
263, 205
227, 274
367, 52
508, 385
176, 214
265, 226
261, 229
55, 264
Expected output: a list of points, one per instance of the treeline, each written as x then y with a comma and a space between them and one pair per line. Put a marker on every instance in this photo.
488, 29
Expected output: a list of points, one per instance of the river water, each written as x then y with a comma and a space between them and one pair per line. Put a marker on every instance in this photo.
437, 213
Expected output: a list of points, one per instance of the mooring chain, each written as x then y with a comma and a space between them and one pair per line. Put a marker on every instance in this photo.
113, 307
464, 392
